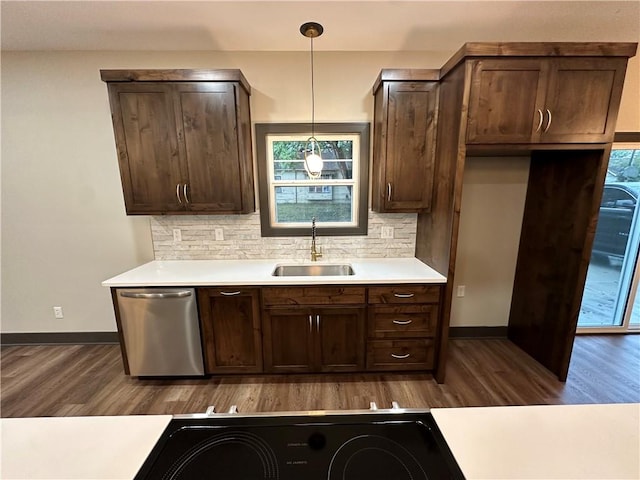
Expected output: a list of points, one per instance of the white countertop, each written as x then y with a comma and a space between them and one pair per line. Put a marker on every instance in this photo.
163, 273
544, 442
535, 442
69, 448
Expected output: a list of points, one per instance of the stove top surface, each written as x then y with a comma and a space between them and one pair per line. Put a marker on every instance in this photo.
345, 446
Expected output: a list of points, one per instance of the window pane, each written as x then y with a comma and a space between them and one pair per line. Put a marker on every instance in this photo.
288, 159
327, 203
614, 252
289, 198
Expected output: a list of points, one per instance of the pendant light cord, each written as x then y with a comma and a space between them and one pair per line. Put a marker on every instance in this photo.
313, 96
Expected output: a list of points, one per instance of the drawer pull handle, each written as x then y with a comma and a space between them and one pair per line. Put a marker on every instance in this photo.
401, 357
403, 295
401, 322
230, 294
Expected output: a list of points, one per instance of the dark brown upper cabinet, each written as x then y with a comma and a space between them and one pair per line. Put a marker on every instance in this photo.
405, 114
544, 100
183, 139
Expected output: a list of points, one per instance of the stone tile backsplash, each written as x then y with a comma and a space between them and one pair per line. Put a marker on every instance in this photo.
241, 239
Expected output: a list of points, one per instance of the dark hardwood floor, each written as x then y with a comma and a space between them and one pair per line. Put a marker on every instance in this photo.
65, 380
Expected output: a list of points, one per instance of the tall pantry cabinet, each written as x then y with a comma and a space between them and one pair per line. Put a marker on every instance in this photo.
556, 103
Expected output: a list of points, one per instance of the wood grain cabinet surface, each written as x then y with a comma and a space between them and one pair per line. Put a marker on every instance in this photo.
403, 322
404, 137
314, 329
231, 329
184, 145
544, 100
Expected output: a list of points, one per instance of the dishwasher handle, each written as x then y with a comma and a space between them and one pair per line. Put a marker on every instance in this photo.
182, 294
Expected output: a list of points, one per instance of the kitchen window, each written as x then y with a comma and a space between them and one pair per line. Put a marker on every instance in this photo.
289, 198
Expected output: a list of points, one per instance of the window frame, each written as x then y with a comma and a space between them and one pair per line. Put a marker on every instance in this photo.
361, 129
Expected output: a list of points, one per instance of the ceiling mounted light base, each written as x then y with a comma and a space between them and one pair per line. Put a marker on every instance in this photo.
311, 29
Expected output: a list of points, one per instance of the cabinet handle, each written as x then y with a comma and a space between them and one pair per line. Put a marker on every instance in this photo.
184, 190
178, 193
546, 129
229, 294
180, 294
389, 191
540, 120
310, 323
403, 295
400, 322
318, 323
401, 357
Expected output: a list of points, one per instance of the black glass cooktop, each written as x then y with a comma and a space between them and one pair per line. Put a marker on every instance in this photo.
333, 447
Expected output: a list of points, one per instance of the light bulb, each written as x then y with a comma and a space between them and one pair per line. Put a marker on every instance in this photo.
314, 164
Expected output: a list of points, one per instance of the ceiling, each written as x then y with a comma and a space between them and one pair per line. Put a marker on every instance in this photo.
362, 25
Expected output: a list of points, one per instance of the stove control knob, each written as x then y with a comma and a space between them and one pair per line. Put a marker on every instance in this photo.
233, 409
210, 410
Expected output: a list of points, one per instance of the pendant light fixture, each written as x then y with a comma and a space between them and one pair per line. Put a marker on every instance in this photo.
312, 156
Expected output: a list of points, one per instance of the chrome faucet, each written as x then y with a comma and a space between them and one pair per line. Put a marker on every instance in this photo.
315, 254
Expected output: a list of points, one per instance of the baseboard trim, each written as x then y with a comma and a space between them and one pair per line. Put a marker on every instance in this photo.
477, 332
57, 338
61, 338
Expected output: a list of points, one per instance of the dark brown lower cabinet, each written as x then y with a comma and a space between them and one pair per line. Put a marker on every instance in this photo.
231, 330
314, 339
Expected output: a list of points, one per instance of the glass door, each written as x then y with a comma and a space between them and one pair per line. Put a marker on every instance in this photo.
610, 300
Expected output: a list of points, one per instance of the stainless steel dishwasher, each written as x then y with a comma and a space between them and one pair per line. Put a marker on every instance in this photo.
161, 331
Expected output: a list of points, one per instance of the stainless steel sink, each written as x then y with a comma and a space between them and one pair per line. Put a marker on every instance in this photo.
320, 270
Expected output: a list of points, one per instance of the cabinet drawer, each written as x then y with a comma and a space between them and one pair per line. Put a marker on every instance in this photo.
388, 321
400, 354
282, 296
405, 294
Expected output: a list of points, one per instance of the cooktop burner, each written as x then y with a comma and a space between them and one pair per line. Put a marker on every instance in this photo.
341, 446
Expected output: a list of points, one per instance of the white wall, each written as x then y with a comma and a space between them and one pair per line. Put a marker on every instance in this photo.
64, 229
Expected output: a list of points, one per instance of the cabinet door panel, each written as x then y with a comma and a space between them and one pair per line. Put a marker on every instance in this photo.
505, 101
410, 146
147, 147
579, 99
231, 330
288, 343
207, 120
340, 339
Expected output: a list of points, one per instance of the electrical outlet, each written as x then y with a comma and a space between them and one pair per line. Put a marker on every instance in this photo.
57, 312
219, 234
177, 235
461, 290
386, 232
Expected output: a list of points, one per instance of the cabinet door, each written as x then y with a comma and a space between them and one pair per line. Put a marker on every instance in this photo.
288, 340
340, 339
230, 320
404, 182
146, 140
207, 122
506, 100
581, 93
